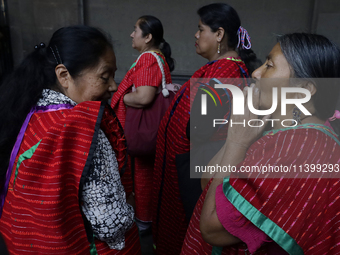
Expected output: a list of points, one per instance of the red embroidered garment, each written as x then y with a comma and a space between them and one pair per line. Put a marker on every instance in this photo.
194, 243
299, 214
169, 224
41, 215
145, 73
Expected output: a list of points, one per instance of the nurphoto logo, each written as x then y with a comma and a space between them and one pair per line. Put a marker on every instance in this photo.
238, 103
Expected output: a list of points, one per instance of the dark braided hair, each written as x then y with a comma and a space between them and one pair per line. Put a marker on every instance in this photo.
151, 25
223, 15
76, 47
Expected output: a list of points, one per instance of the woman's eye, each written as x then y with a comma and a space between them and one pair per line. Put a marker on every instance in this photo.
105, 79
268, 65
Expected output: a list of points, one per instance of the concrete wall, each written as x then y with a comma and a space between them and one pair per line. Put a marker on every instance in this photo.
32, 21
328, 20
262, 18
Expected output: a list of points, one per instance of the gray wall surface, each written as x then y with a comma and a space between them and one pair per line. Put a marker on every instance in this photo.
33, 21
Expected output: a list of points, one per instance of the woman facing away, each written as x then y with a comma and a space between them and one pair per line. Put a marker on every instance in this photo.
220, 39
61, 188
290, 212
146, 77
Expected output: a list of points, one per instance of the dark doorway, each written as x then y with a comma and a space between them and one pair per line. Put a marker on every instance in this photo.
6, 59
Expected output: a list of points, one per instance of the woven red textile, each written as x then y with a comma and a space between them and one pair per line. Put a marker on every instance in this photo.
145, 73
41, 214
132, 244
306, 209
194, 243
169, 225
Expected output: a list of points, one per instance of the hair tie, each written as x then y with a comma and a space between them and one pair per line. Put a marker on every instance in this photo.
161, 45
335, 116
39, 46
242, 34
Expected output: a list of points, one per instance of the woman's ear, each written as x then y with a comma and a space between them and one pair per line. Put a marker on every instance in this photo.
220, 34
311, 87
63, 76
148, 38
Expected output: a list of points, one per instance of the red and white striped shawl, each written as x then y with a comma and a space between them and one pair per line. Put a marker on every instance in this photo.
41, 214
169, 223
300, 214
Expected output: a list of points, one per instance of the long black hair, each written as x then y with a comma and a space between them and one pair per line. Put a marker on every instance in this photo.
151, 25
314, 56
76, 47
218, 15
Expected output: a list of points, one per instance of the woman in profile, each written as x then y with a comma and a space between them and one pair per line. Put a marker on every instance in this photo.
290, 212
226, 45
139, 89
63, 151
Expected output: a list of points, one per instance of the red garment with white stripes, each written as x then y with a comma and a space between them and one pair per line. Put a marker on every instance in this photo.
307, 209
195, 245
41, 214
145, 73
169, 224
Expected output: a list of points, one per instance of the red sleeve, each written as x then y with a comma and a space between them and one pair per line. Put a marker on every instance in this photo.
147, 72
236, 224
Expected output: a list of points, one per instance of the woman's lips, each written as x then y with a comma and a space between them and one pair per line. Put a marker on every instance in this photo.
196, 44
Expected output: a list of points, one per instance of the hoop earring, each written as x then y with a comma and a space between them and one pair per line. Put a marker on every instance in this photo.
219, 48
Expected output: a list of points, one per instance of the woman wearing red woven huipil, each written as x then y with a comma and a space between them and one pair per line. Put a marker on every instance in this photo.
139, 89
222, 41
291, 205
63, 152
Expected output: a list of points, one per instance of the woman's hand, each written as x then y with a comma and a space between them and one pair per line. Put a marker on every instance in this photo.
239, 138
243, 135
142, 97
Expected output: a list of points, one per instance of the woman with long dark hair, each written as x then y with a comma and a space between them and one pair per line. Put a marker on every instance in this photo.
290, 205
226, 45
63, 151
139, 89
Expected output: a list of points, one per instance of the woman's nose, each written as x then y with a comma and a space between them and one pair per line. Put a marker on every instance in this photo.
257, 73
197, 35
113, 86
131, 35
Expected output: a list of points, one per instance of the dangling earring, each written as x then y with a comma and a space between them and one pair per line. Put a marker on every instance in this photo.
219, 48
296, 116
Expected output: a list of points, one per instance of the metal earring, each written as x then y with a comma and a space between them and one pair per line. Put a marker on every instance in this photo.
219, 48
296, 116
